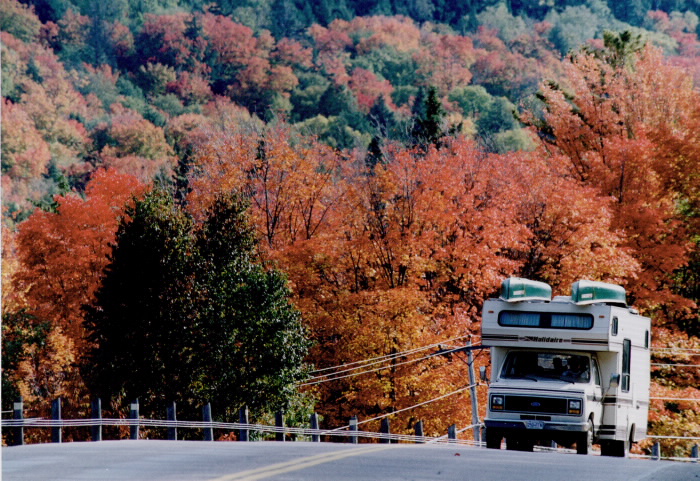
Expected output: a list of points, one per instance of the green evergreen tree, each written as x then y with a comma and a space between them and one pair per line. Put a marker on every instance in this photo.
497, 116
252, 338
374, 153
141, 321
382, 118
339, 101
187, 313
290, 18
335, 100
428, 116
326, 11
621, 47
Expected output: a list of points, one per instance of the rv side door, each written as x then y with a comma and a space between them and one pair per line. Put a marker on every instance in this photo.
597, 401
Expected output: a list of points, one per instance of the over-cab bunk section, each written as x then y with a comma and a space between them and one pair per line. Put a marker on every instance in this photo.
526, 315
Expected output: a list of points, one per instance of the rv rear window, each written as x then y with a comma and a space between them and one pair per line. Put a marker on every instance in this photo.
545, 319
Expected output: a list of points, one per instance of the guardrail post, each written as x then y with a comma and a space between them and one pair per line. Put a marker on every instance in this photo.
452, 433
17, 414
97, 416
474, 399
134, 415
419, 432
243, 419
56, 431
694, 453
656, 451
353, 427
279, 422
315, 438
206, 417
171, 412
385, 429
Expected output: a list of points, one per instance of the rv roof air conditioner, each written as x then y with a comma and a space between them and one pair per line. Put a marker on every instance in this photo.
515, 289
590, 292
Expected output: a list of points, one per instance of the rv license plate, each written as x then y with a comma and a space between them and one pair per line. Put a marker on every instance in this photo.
534, 424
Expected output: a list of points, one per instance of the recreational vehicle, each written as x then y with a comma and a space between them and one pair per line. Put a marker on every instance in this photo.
573, 370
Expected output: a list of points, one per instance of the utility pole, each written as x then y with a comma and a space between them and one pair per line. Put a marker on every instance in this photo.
469, 348
475, 401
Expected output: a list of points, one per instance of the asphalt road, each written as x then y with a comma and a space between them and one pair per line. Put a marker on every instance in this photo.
231, 461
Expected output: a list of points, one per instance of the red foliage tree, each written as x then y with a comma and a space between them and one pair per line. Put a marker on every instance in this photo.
62, 257
368, 88
602, 127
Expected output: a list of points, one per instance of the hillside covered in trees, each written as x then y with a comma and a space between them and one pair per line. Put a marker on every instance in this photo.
378, 168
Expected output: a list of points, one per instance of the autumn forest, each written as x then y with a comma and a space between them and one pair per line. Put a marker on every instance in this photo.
220, 202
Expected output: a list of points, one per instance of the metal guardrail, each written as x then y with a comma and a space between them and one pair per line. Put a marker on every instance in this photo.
261, 428
344, 432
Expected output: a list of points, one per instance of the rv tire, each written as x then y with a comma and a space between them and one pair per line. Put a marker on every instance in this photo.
618, 449
512, 443
517, 443
585, 440
526, 445
493, 439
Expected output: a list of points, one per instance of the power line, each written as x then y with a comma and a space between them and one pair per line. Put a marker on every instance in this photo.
389, 356
457, 391
334, 375
689, 399
673, 364
677, 349
327, 379
408, 408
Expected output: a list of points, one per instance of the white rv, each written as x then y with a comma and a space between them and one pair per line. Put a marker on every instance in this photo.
570, 370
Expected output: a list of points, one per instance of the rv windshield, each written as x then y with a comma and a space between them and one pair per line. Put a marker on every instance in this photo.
547, 365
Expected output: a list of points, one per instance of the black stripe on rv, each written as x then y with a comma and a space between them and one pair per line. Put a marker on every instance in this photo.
592, 342
616, 400
496, 337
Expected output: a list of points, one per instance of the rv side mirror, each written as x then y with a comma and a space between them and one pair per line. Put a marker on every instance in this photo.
614, 380
482, 374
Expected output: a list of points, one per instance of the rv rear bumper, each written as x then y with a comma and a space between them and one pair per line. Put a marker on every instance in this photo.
535, 426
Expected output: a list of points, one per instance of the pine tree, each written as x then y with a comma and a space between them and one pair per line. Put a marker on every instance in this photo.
428, 115
382, 118
374, 153
186, 312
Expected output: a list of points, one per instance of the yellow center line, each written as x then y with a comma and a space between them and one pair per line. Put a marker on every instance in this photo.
301, 463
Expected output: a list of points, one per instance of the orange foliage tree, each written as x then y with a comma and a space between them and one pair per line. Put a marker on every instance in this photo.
61, 258
624, 125
570, 225
290, 181
603, 124
389, 259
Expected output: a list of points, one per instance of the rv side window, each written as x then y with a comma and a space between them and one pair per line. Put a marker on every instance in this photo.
626, 362
646, 340
546, 320
613, 327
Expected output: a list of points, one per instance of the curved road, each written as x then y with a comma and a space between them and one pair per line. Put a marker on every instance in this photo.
235, 461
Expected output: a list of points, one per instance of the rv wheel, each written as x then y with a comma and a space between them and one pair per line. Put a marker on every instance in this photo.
585, 440
493, 439
512, 443
526, 445
618, 449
